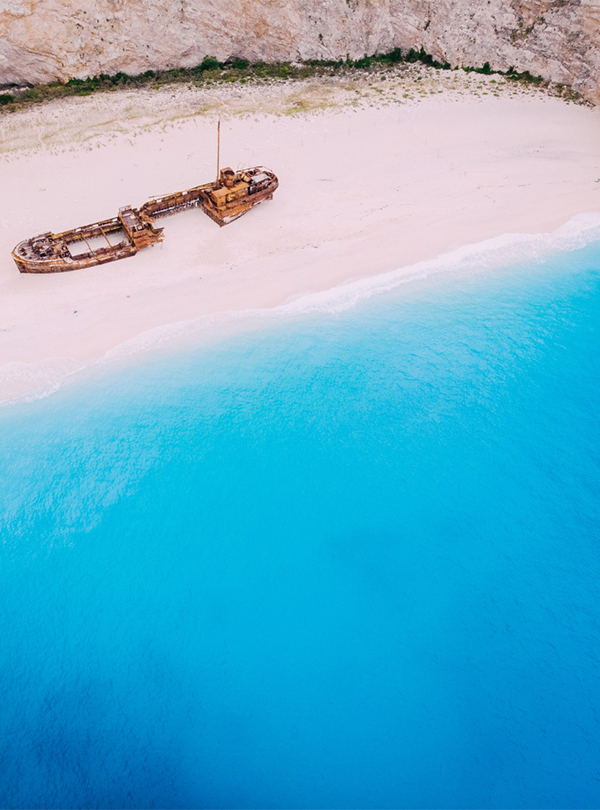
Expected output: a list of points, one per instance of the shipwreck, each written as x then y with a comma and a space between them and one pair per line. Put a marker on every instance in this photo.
231, 195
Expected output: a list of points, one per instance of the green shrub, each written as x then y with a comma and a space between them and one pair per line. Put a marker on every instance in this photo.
525, 76
174, 75
394, 56
240, 64
427, 59
6, 98
210, 63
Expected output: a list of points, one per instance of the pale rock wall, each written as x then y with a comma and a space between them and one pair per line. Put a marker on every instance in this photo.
42, 40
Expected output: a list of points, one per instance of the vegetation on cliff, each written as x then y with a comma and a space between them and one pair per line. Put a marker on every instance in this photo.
240, 70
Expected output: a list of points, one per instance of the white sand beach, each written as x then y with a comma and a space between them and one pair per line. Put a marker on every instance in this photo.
374, 176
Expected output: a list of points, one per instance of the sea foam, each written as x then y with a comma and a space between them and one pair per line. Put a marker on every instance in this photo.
44, 378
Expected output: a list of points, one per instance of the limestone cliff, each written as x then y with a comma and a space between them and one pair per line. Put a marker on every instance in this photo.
41, 40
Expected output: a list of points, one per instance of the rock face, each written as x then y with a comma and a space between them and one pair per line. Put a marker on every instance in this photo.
42, 40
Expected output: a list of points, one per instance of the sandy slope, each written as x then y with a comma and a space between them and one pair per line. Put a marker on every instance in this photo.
364, 189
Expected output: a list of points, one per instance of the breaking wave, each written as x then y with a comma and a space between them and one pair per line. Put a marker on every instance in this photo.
42, 378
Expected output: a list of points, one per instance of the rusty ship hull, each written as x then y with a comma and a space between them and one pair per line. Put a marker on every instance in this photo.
225, 200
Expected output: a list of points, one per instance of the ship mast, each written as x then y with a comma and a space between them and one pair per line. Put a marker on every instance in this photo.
218, 146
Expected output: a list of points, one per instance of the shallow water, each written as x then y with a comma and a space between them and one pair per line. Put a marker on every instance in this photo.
349, 560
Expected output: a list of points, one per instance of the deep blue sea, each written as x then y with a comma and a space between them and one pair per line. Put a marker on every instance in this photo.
350, 559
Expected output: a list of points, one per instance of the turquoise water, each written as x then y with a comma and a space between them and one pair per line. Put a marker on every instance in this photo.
347, 560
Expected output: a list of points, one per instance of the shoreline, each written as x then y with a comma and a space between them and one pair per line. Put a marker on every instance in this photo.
505, 250
364, 190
